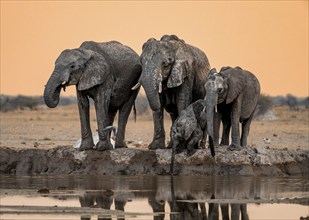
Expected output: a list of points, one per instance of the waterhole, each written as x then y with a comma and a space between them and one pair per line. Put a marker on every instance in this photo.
154, 197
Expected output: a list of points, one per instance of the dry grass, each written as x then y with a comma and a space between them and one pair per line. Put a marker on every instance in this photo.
48, 128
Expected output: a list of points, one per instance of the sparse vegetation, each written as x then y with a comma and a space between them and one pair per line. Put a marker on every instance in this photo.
11, 103
265, 104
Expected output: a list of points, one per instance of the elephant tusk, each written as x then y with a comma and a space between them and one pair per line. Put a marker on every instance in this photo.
136, 86
216, 108
64, 82
160, 87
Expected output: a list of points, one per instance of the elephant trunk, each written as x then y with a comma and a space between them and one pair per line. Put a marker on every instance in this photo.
151, 88
52, 90
211, 107
175, 142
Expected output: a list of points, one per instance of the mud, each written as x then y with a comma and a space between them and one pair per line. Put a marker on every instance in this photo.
258, 161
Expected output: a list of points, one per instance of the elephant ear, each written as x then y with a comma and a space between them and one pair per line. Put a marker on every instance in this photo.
95, 72
178, 74
212, 72
236, 83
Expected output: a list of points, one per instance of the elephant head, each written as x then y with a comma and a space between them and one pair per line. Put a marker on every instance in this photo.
80, 67
216, 90
165, 64
222, 87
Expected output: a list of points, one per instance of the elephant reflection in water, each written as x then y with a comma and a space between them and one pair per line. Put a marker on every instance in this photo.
102, 200
189, 210
179, 209
237, 210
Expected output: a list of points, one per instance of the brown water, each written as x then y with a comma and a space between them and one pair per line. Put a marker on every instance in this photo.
153, 197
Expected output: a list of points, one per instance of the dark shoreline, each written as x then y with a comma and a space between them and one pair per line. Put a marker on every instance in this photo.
133, 161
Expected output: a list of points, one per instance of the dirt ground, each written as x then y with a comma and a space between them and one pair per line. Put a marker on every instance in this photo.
48, 128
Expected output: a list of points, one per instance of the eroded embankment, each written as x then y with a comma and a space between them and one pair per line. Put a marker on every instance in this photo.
133, 161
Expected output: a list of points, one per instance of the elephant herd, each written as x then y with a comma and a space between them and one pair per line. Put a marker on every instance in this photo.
176, 77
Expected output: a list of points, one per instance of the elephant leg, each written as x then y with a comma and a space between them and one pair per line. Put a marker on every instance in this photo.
216, 128
245, 131
101, 103
196, 136
173, 117
244, 212
158, 141
235, 213
225, 211
226, 121
157, 206
83, 108
202, 144
111, 117
124, 113
235, 126
213, 210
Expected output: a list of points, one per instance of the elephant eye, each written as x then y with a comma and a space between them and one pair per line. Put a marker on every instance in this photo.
220, 90
72, 66
165, 64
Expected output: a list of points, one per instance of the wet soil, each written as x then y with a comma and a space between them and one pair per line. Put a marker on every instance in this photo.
126, 161
40, 142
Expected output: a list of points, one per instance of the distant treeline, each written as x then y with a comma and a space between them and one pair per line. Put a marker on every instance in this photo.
10, 103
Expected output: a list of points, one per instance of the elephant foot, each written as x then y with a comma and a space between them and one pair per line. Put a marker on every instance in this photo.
190, 152
157, 144
103, 145
169, 145
233, 147
86, 144
243, 143
224, 143
121, 145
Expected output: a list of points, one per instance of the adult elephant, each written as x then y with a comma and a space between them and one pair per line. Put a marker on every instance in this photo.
231, 96
173, 76
104, 72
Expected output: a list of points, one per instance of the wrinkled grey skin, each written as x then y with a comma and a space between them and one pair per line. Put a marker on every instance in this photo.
190, 130
234, 92
173, 76
104, 72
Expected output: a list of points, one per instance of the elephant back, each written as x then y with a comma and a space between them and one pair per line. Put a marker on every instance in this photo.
201, 70
119, 56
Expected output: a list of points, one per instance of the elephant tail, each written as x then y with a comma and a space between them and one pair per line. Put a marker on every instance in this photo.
134, 111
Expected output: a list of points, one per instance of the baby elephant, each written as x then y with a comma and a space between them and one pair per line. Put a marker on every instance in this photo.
190, 128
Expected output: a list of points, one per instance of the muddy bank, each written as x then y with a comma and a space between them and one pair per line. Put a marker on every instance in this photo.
133, 161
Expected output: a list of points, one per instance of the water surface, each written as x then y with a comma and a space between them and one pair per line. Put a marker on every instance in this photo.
153, 197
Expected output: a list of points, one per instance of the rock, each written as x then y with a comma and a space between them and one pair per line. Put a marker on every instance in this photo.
133, 161
261, 150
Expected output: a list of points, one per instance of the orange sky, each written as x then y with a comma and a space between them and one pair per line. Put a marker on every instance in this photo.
269, 38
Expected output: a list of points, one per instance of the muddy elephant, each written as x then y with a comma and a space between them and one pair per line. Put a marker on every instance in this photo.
104, 72
231, 96
173, 76
190, 130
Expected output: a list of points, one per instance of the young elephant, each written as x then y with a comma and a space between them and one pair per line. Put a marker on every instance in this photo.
232, 96
190, 128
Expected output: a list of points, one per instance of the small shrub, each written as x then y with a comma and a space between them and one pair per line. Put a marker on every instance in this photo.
292, 102
265, 104
10, 103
